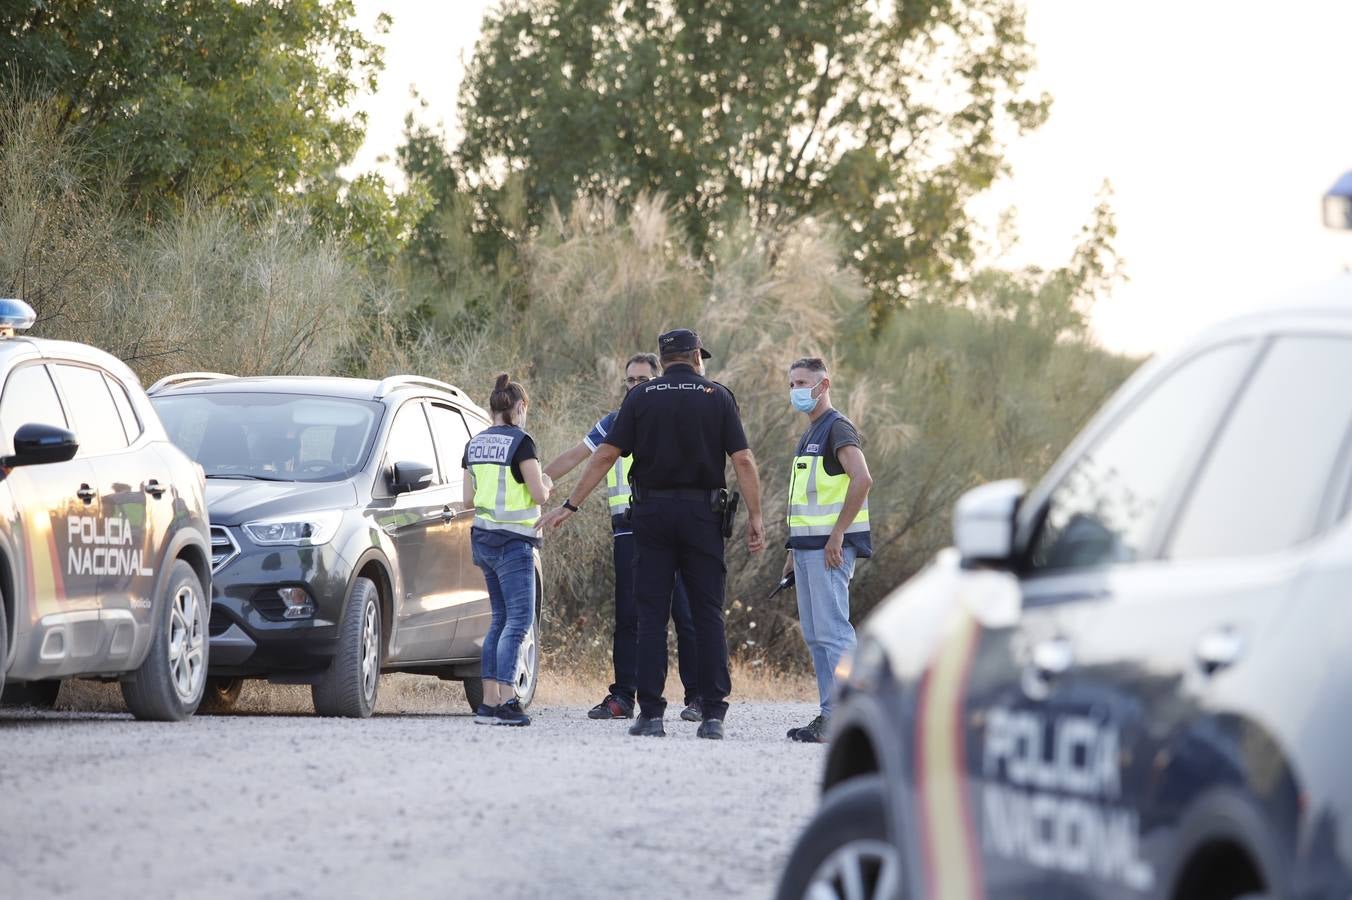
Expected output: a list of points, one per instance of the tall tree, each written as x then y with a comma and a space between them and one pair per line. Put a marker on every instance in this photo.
885, 116
228, 98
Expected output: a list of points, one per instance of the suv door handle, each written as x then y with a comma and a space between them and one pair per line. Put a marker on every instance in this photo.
86, 493
1218, 649
154, 488
1049, 660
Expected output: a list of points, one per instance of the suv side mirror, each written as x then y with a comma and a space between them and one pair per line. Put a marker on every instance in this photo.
983, 523
409, 476
36, 444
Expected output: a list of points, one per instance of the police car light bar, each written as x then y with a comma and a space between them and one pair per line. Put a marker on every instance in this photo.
15, 315
1338, 204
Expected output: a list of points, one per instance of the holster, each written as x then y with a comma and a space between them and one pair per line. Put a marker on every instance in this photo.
729, 504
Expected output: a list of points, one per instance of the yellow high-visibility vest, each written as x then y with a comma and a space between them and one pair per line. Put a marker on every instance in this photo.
816, 498
501, 503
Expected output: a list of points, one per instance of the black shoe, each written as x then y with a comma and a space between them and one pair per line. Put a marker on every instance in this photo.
613, 707
646, 727
711, 729
813, 732
693, 712
511, 713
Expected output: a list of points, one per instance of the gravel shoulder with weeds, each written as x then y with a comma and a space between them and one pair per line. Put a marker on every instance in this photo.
407, 804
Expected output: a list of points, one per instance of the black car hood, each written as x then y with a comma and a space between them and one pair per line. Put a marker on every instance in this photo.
234, 502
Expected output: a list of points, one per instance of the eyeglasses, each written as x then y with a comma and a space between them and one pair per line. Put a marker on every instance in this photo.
636, 379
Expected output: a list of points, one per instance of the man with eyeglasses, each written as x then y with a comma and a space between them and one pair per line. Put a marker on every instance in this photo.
619, 701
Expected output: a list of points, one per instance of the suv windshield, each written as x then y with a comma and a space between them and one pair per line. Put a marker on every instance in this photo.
271, 437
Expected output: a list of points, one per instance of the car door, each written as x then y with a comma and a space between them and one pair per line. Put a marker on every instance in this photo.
417, 522
58, 506
134, 498
1171, 646
470, 602
1052, 812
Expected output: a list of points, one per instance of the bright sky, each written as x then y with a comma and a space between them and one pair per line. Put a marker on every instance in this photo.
1220, 126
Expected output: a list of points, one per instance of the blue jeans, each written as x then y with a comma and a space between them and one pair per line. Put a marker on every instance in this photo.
824, 612
510, 573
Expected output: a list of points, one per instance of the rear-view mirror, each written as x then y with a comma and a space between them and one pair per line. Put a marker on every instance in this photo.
983, 523
36, 444
409, 476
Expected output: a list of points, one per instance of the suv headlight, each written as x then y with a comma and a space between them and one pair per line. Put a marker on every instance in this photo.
306, 530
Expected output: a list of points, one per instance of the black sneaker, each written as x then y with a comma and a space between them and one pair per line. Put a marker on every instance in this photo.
646, 727
612, 707
813, 732
486, 715
712, 729
693, 712
511, 713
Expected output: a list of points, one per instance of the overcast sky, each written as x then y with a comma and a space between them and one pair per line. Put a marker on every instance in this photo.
1219, 131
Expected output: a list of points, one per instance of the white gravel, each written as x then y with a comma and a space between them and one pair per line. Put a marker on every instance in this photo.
425, 805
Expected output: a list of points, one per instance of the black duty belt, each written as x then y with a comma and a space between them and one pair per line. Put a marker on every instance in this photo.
675, 493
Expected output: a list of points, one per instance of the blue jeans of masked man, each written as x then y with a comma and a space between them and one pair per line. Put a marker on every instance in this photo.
824, 612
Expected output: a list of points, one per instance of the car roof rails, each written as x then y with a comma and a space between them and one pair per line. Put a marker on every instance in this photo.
183, 378
387, 385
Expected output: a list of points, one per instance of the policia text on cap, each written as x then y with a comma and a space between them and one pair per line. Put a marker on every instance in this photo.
679, 428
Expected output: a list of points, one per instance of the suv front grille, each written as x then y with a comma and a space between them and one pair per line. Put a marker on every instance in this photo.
223, 548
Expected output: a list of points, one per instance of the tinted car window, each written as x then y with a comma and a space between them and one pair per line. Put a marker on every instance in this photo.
409, 439
130, 424
29, 397
1262, 484
449, 428
1106, 507
97, 425
291, 437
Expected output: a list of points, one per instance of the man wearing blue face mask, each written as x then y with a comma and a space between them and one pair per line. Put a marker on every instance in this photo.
828, 530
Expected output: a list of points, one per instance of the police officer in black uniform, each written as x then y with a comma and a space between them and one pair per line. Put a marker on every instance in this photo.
679, 429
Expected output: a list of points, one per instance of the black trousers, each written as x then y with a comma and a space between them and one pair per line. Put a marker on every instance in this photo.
680, 536
625, 651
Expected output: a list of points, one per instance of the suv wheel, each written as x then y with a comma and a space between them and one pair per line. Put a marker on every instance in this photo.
844, 852
527, 665
348, 687
168, 686
37, 694
4, 643
221, 695
474, 692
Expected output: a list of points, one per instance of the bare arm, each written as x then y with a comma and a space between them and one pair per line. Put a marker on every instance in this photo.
852, 460
748, 479
568, 460
591, 476
467, 492
537, 482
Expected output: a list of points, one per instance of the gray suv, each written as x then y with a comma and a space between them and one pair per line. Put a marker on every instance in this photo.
340, 541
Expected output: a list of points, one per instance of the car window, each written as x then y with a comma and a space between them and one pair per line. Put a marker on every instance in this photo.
448, 427
1106, 507
1262, 485
273, 436
95, 419
410, 440
130, 424
30, 397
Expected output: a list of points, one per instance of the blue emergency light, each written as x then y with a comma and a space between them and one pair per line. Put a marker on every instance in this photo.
1338, 204
15, 315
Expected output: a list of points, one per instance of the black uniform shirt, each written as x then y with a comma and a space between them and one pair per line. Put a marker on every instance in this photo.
679, 428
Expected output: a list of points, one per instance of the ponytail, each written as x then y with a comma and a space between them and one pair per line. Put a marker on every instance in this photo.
506, 395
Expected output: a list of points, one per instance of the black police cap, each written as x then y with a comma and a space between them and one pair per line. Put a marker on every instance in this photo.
681, 340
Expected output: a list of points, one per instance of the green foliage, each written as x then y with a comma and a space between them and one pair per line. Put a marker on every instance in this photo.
222, 97
885, 119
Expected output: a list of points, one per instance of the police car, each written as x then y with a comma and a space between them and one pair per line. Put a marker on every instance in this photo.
104, 547
1132, 680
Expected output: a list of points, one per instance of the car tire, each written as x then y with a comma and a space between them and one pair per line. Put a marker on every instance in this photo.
528, 665
169, 684
4, 643
221, 695
474, 692
348, 687
847, 838
37, 694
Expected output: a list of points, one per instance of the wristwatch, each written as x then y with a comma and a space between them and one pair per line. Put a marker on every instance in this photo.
568, 504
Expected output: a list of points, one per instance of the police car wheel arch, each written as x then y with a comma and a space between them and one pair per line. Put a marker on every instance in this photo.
1222, 816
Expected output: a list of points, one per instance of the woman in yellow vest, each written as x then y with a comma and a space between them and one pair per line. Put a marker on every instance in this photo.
506, 486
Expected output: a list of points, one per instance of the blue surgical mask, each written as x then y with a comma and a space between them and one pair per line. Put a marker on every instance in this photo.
802, 398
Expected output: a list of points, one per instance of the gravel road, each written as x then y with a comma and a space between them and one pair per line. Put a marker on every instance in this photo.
403, 805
